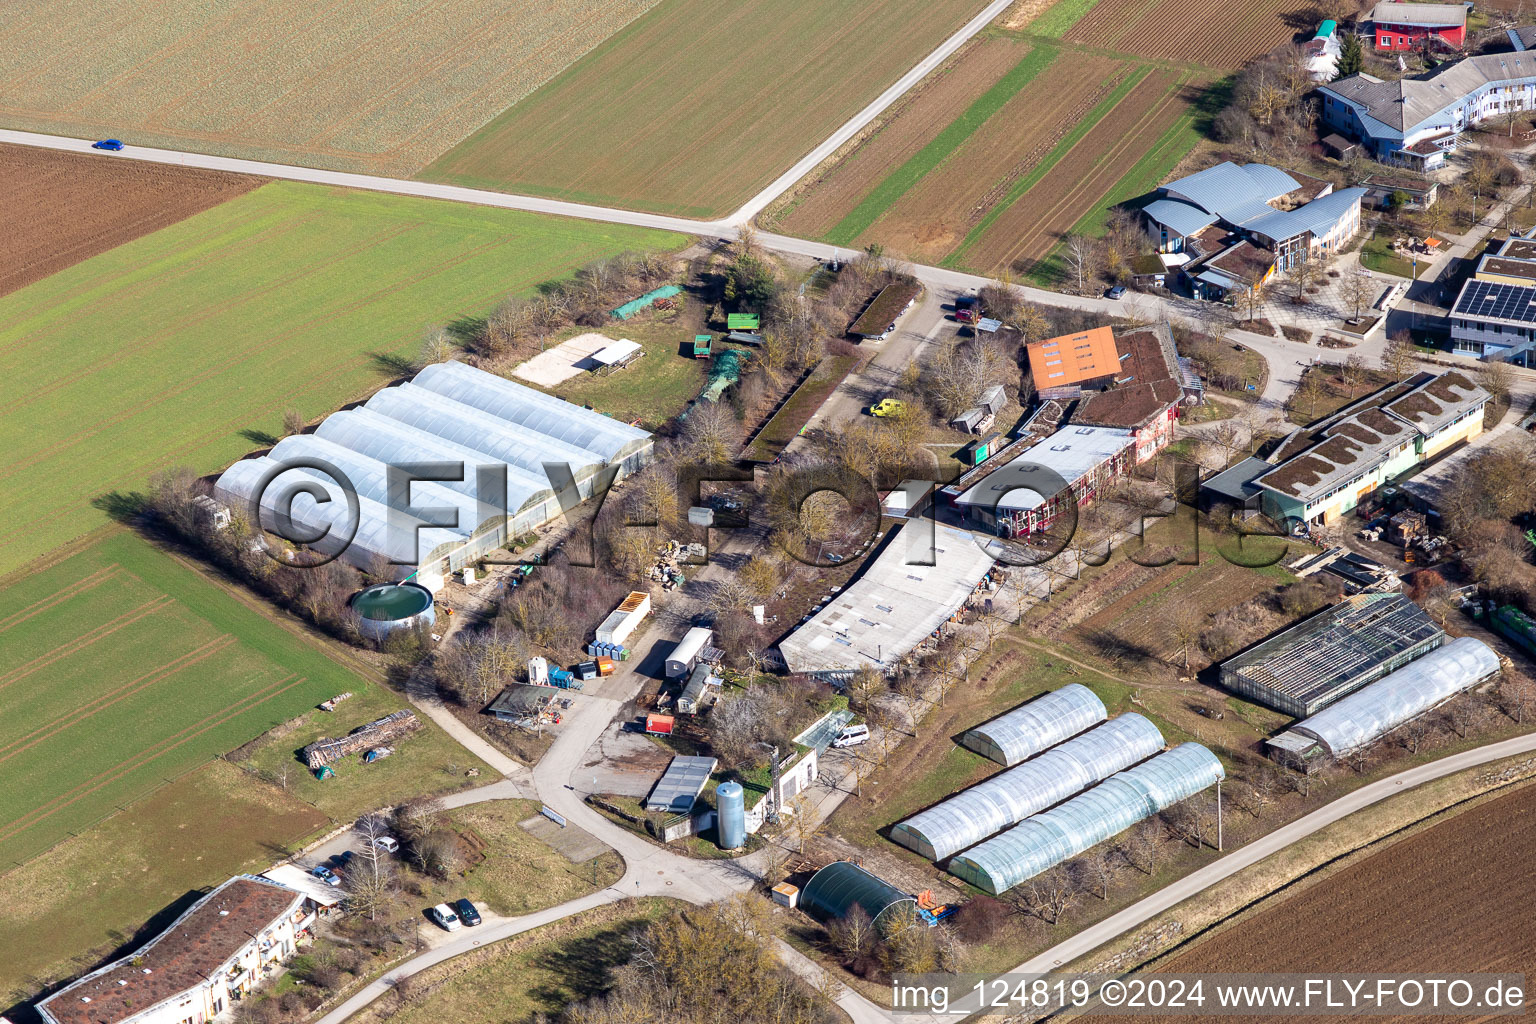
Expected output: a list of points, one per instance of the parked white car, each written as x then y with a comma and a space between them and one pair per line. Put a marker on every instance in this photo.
443, 916
387, 843
852, 736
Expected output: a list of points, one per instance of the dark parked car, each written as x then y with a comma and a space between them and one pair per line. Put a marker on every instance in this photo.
467, 912
109, 144
326, 875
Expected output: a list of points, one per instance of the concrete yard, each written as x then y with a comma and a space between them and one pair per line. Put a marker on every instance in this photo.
566, 360
575, 844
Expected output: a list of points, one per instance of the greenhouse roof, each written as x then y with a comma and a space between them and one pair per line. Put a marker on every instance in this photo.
1329, 652
451, 413
1050, 837
1013, 795
842, 885
1354, 721
1040, 723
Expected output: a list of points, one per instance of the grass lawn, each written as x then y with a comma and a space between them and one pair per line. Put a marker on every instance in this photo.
520, 873
652, 389
1376, 254
184, 347
121, 634
539, 972
695, 106
143, 864
426, 762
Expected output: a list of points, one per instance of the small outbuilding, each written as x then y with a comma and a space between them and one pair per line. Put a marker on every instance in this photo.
835, 890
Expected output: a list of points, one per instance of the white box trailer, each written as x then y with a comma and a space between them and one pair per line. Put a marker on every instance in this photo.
624, 619
686, 654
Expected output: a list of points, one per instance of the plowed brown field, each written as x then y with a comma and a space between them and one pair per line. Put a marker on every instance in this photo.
1458, 896
61, 208
930, 220
1028, 229
1215, 33
907, 128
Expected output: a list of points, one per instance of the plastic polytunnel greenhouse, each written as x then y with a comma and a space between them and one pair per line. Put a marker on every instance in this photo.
1013, 795
1355, 720
549, 450
1036, 725
842, 885
1046, 839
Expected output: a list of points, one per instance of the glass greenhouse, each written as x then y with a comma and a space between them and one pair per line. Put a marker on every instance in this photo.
1046, 839
1041, 723
1354, 721
1013, 795
450, 413
842, 885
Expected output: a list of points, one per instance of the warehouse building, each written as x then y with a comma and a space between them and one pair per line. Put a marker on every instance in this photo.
835, 890
1046, 839
896, 604
1009, 797
1037, 724
1363, 717
553, 455
1064, 472
1333, 653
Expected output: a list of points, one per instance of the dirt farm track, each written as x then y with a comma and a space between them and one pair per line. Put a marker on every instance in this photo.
1456, 897
61, 208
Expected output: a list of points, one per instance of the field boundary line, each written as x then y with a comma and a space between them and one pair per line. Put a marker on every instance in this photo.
150, 678
250, 701
59, 596
920, 164
1058, 152
84, 641
1120, 145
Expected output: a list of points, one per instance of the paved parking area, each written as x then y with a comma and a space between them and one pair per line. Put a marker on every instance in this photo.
577, 845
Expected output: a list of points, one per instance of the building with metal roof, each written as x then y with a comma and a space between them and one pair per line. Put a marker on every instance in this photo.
1036, 724
1325, 470
449, 414
680, 785
1262, 207
1416, 122
1009, 797
1332, 654
1033, 490
1234, 486
1409, 26
1046, 839
835, 890
894, 604
1364, 716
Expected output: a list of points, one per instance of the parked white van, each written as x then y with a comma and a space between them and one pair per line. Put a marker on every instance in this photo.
852, 736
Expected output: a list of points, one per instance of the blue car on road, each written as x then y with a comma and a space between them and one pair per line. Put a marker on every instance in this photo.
112, 144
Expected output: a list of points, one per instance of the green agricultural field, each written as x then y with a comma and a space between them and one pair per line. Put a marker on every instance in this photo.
696, 105
184, 347
124, 669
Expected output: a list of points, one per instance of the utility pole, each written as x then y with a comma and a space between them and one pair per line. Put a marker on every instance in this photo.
1218, 817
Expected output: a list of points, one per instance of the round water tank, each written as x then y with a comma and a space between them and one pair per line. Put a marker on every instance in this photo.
731, 815
387, 607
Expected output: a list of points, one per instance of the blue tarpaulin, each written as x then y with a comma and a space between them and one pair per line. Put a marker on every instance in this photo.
634, 306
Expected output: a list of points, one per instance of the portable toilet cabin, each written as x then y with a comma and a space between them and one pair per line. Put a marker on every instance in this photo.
686, 654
